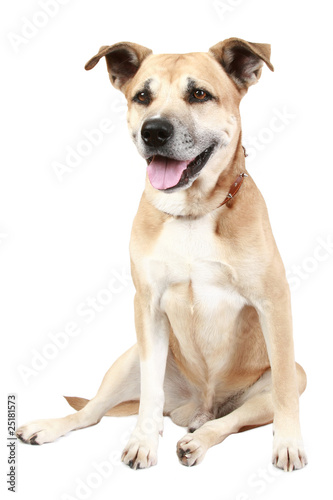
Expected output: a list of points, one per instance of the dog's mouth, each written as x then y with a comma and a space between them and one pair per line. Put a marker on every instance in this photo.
166, 173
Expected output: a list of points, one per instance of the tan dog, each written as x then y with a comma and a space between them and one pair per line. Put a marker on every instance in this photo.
212, 306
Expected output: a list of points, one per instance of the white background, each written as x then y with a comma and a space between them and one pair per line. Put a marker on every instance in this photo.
60, 241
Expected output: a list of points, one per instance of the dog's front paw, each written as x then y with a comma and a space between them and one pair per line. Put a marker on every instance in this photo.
191, 449
288, 453
41, 431
140, 453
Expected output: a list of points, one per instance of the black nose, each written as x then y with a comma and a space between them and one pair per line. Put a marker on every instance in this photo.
156, 132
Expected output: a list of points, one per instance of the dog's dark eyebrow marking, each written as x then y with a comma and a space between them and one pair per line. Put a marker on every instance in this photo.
146, 85
191, 85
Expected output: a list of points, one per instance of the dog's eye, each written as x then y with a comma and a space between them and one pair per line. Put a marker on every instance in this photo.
200, 95
142, 97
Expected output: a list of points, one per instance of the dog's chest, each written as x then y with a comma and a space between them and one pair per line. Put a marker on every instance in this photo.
187, 251
194, 283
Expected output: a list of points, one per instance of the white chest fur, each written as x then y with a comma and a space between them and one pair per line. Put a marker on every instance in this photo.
192, 282
188, 251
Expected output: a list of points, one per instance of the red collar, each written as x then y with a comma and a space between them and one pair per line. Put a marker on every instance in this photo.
234, 188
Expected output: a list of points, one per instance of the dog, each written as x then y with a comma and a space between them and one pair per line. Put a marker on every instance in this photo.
212, 307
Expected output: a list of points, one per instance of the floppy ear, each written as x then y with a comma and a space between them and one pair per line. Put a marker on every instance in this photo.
242, 60
123, 61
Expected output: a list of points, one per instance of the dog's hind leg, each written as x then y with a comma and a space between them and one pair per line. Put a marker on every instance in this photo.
120, 384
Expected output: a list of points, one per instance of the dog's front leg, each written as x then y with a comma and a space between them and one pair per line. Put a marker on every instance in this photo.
152, 328
276, 321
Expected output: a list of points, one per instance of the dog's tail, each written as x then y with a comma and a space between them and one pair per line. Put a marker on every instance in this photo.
121, 410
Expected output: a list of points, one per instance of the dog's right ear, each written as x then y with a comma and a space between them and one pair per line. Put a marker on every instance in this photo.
123, 61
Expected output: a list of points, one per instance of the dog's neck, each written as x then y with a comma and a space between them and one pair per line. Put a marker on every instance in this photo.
207, 193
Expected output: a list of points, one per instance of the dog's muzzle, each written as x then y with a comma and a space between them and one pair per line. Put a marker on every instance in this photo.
168, 173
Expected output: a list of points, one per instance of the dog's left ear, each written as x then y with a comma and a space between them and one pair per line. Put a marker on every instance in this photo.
242, 60
122, 59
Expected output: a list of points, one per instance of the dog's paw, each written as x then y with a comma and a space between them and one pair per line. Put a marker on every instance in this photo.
140, 453
41, 431
191, 449
288, 453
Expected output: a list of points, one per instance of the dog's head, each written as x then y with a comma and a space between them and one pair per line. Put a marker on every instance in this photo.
183, 109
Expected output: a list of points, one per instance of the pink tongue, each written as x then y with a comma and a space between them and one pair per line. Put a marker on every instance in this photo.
164, 172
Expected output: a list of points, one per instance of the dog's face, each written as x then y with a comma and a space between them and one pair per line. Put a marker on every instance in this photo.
183, 110
180, 114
